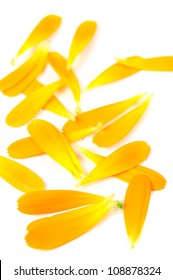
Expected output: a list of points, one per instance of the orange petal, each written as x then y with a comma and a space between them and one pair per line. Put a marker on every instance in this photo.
19, 176
112, 74
42, 31
55, 231
82, 37
157, 180
117, 130
31, 105
136, 206
59, 64
49, 201
126, 157
28, 79
91, 121
54, 143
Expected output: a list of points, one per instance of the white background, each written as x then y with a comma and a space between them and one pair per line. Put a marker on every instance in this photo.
125, 28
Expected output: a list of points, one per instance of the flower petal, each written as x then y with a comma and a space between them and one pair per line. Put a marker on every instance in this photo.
19, 176
82, 37
31, 105
136, 206
54, 143
42, 31
112, 74
157, 180
126, 157
55, 231
49, 201
59, 64
91, 121
117, 130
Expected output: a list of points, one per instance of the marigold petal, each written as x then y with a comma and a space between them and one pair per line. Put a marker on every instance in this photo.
19, 176
117, 130
82, 37
55, 231
126, 157
54, 143
93, 120
136, 206
49, 201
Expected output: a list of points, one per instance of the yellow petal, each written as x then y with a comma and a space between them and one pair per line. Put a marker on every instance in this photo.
162, 63
53, 105
117, 130
28, 79
82, 37
54, 143
90, 121
49, 201
19, 176
59, 64
126, 157
42, 31
136, 206
24, 148
55, 231
112, 74
31, 105
157, 180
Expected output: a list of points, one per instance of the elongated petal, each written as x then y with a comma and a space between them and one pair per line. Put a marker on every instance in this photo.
19, 176
49, 201
24, 148
157, 180
28, 79
162, 63
55, 231
91, 121
53, 105
31, 105
117, 130
59, 64
126, 157
54, 143
112, 74
42, 31
82, 37
136, 206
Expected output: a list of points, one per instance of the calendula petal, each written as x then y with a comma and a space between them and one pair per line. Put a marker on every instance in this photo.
112, 74
157, 180
55, 231
162, 63
117, 130
136, 206
31, 105
42, 31
54, 143
59, 64
24, 148
82, 37
126, 157
49, 201
93, 120
19, 176
28, 79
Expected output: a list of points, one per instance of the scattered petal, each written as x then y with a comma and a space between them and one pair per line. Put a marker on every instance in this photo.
136, 206
19, 176
82, 37
54, 143
126, 157
49, 201
117, 130
52, 232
